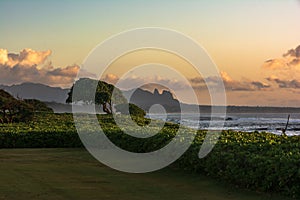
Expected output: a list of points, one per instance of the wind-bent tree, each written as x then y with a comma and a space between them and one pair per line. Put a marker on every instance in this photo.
104, 98
99, 92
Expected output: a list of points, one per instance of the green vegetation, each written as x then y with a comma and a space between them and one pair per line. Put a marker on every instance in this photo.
133, 109
13, 110
38, 106
105, 94
73, 174
45, 130
260, 161
18, 110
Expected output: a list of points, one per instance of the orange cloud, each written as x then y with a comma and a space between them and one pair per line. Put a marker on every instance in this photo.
284, 72
111, 78
133, 81
69, 71
3, 56
27, 57
198, 83
30, 66
289, 61
226, 77
229, 83
275, 64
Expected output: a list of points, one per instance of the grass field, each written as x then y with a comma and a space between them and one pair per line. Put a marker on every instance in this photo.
74, 174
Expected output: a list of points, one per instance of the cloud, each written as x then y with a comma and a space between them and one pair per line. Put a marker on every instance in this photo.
27, 57
32, 66
293, 52
197, 83
69, 71
132, 81
284, 72
152, 86
275, 64
111, 78
289, 61
281, 86
294, 84
246, 86
229, 83
260, 85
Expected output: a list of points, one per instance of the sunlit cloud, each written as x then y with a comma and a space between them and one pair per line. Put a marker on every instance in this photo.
197, 83
284, 72
32, 66
27, 57
229, 83
133, 81
111, 78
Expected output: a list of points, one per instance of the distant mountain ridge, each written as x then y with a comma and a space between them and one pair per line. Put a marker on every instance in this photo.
55, 97
58, 96
37, 91
146, 99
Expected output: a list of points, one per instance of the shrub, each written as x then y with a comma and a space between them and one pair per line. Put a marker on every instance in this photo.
259, 161
38, 106
14, 110
133, 109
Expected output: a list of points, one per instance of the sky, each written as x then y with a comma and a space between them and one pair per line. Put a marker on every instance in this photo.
253, 44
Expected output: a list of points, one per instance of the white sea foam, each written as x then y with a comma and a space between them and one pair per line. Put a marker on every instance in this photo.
249, 122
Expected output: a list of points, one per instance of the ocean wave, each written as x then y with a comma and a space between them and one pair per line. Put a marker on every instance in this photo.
248, 122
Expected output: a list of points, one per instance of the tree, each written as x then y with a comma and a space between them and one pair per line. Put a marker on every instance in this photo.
99, 92
14, 110
104, 98
23, 112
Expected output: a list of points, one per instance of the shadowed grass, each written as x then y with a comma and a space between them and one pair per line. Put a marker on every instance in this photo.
74, 174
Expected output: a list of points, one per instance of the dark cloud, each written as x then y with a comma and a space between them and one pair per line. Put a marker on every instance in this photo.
260, 85
229, 83
269, 61
245, 86
197, 81
293, 52
294, 84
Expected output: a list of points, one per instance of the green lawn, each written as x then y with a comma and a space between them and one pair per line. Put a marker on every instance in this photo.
74, 174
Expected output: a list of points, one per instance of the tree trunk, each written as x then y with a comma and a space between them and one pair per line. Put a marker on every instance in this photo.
110, 107
286, 126
106, 109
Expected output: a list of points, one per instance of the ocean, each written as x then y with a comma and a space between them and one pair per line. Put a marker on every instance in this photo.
247, 121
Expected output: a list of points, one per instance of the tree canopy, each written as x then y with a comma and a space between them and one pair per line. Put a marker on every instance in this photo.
13, 110
105, 95
18, 110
